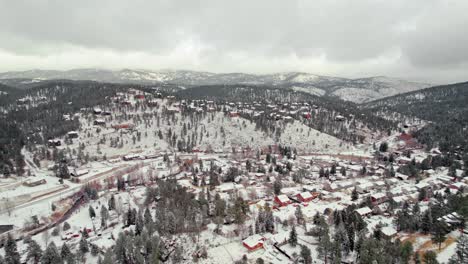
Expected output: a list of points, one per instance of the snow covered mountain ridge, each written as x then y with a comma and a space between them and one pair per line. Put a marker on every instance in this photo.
356, 90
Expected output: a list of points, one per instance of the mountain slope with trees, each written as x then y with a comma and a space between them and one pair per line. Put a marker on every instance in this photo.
446, 109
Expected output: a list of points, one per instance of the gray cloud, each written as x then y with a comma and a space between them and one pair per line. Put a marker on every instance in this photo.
419, 39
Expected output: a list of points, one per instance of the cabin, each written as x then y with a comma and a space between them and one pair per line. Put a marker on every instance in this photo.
131, 157
54, 142
233, 114
364, 211
306, 115
378, 198
253, 242
97, 111
72, 134
282, 200
33, 183
305, 197
122, 126
340, 118
99, 122
139, 96
389, 232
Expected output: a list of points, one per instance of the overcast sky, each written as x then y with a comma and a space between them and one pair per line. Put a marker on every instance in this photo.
423, 40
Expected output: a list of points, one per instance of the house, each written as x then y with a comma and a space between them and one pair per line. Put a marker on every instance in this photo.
131, 157
54, 142
139, 96
99, 122
282, 200
122, 126
340, 118
364, 211
378, 198
72, 134
458, 186
305, 197
233, 114
389, 232
33, 183
97, 111
306, 115
253, 242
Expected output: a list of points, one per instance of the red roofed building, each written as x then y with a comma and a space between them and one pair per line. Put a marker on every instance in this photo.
305, 197
405, 137
282, 200
253, 242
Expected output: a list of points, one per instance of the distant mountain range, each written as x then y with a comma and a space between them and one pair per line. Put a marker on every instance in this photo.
356, 90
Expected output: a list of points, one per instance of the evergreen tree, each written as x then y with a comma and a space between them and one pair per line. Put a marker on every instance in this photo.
430, 257
306, 255
104, 216
277, 185
34, 252
139, 223
111, 203
65, 251
299, 215
406, 251
108, 257
438, 233
51, 255
461, 252
354, 195
83, 246
292, 237
11, 251
92, 213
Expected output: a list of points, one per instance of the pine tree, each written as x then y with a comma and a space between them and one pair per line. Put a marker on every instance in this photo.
104, 216
94, 250
299, 215
139, 223
34, 252
111, 203
406, 251
461, 252
292, 237
277, 185
427, 222
354, 195
83, 246
438, 233
92, 213
65, 251
51, 255
306, 255
430, 257
11, 251
108, 257
148, 219
324, 247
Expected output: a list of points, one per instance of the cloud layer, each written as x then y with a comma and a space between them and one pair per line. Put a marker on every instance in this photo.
420, 39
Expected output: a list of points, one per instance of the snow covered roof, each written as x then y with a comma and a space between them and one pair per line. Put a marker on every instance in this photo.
306, 195
388, 231
283, 198
364, 210
378, 195
253, 240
